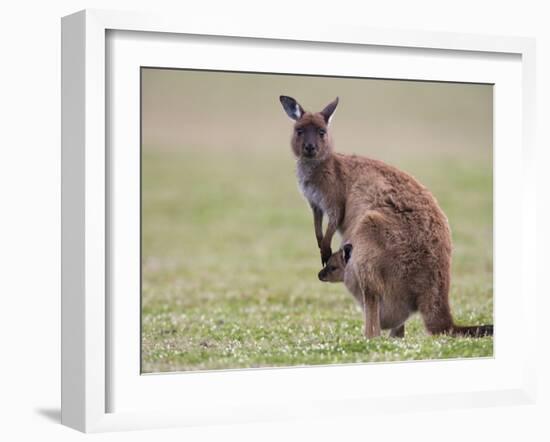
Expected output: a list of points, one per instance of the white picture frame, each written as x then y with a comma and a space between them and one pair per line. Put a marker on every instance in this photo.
90, 360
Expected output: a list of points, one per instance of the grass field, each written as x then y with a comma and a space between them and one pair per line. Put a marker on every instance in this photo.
230, 265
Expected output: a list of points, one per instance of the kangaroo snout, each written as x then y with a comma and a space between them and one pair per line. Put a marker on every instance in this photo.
309, 149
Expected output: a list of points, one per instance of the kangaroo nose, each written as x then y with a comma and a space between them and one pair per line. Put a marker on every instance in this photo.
309, 148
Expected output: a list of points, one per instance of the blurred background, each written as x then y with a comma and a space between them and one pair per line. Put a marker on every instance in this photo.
229, 254
212, 110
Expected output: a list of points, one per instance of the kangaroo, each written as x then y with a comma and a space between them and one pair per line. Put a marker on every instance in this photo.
393, 311
338, 270
393, 220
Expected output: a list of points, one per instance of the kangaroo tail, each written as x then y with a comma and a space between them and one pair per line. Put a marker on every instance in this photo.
472, 331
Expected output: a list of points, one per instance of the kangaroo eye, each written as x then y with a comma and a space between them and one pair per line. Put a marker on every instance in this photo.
299, 132
331, 268
322, 132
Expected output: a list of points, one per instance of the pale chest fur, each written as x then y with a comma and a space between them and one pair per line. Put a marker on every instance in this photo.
311, 191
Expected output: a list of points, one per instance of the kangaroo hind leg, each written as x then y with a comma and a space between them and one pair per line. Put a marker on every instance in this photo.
436, 314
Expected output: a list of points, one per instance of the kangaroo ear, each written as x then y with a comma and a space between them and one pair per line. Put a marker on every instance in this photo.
329, 110
291, 107
347, 252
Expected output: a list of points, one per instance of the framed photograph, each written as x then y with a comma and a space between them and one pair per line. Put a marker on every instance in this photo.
264, 223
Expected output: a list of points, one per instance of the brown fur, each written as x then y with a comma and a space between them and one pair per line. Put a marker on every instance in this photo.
392, 310
401, 238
